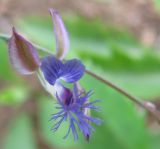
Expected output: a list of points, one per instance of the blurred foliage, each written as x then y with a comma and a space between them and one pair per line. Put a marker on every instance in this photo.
21, 134
157, 4
6, 72
13, 95
114, 54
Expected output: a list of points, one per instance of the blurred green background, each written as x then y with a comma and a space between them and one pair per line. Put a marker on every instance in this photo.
117, 39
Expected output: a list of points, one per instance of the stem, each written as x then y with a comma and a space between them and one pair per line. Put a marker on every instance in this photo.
134, 99
144, 105
6, 37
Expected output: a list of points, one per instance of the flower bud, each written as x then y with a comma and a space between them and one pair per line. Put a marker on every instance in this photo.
23, 55
61, 35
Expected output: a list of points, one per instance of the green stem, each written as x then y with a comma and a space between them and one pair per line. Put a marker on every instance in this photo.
6, 37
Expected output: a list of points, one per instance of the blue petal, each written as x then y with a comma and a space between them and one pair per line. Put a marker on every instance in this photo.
63, 94
58, 124
72, 71
51, 68
73, 128
95, 120
83, 99
57, 115
85, 128
75, 91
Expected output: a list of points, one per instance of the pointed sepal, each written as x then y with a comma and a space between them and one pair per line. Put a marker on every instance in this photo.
23, 55
61, 34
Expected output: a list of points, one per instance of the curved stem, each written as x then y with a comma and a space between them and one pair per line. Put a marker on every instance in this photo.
147, 105
6, 37
150, 107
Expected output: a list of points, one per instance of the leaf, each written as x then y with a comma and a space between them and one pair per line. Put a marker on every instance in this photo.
12, 95
120, 117
6, 72
20, 134
155, 140
157, 4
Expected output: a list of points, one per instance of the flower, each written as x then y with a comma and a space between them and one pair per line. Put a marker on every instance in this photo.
55, 70
73, 107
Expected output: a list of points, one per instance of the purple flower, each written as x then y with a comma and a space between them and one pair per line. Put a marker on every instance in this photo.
74, 108
55, 70
52, 70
